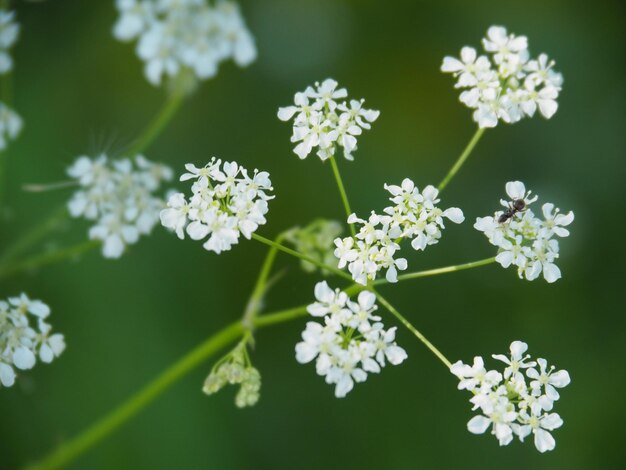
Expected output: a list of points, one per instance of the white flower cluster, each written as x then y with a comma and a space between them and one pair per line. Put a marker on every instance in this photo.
351, 342
120, 196
524, 240
226, 202
10, 122
414, 216
322, 122
508, 85
316, 240
236, 369
178, 35
20, 343
512, 403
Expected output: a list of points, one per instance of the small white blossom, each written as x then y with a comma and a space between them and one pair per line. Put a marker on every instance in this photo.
184, 35
508, 85
511, 403
351, 342
9, 31
118, 195
225, 203
24, 336
414, 216
321, 122
524, 240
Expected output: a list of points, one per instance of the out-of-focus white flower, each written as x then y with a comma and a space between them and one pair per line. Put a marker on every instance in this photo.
225, 203
9, 31
511, 403
524, 240
315, 240
351, 342
24, 336
414, 216
10, 125
184, 35
320, 121
507, 85
119, 196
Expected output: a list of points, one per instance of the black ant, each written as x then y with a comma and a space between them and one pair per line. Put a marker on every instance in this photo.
515, 206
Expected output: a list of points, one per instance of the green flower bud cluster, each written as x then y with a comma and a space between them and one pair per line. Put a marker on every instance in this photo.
236, 369
316, 240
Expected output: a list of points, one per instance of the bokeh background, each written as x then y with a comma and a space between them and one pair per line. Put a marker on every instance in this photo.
81, 92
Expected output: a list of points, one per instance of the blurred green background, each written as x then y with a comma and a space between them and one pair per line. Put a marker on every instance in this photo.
79, 91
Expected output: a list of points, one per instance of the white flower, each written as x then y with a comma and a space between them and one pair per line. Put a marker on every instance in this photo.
351, 343
225, 203
119, 196
508, 402
21, 343
10, 125
322, 123
524, 240
414, 216
9, 31
184, 36
506, 85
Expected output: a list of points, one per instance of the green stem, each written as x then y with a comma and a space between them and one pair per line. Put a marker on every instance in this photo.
254, 304
412, 329
157, 124
444, 270
342, 192
72, 449
34, 236
297, 254
48, 258
459, 163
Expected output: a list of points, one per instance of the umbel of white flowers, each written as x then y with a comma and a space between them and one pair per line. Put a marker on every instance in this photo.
523, 239
174, 36
225, 203
21, 343
119, 195
517, 401
414, 216
508, 85
323, 123
315, 240
10, 122
350, 343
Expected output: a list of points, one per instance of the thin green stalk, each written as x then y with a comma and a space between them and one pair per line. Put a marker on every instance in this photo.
412, 329
34, 235
342, 192
297, 254
69, 451
157, 124
437, 271
254, 304
48, 258
459, 163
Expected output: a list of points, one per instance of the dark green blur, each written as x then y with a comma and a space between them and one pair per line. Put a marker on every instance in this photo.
80, 91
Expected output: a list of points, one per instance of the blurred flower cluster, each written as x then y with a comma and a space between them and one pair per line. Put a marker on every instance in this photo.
523, 239
236, 369
174, 36
323, 123
119, 195
413, 216
351, 342
20, 342
316, 241
508, 85
226, 202
511, 402
10, 122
